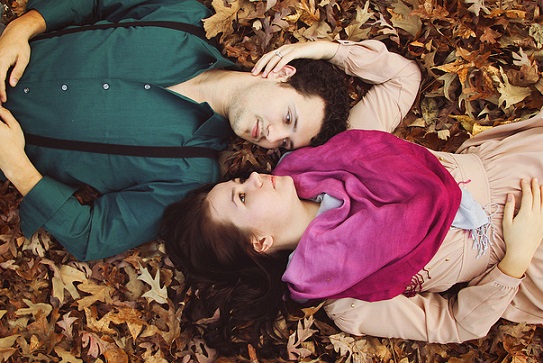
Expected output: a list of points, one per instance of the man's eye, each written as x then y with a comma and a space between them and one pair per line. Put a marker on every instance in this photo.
288, 119
242, 197
284, 143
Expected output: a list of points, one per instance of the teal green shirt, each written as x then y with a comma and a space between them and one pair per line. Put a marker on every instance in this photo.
108, 86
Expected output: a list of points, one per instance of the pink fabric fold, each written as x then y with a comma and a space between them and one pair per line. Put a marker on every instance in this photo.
398, 204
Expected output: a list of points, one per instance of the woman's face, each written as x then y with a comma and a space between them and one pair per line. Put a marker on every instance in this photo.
264, 204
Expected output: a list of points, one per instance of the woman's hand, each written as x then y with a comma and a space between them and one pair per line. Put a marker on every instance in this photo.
276, 59
522, 233
15, 49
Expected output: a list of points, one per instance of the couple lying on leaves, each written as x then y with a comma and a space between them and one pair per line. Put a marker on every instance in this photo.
375, 226
378, 226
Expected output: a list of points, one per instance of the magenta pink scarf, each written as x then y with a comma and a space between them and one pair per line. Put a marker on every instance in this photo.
398, 205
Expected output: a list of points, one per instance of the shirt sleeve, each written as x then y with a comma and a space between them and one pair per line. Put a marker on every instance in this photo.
396, 83
59, 14
430, 316
114, 223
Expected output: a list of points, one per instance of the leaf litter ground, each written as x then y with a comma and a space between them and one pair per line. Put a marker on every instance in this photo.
482, 65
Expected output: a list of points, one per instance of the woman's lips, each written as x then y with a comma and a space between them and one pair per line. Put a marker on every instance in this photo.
256, 131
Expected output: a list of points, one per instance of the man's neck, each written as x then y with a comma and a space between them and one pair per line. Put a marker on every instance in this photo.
213, 87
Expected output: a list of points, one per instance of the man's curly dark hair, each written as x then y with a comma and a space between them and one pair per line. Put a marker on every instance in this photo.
321, 78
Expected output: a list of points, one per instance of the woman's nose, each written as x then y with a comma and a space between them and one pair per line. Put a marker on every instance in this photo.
255, 179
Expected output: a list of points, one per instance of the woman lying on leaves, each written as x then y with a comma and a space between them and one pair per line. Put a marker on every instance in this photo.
379, 228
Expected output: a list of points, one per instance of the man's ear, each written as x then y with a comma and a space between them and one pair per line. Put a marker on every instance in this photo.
262, 244
283, 74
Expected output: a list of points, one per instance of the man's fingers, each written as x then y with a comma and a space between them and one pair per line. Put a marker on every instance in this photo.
3, 73
18, 70
7, 117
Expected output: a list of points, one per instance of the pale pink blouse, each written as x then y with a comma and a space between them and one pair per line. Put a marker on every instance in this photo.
488, 172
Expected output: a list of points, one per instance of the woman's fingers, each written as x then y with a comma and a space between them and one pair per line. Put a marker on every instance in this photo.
509, 209
271, 61
536, 192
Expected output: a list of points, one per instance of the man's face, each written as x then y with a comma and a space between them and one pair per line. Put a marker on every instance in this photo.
271, 114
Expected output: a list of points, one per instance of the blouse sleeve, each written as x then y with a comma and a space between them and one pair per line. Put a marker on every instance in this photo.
396, 83
430, 316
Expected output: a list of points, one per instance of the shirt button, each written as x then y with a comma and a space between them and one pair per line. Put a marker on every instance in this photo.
147, 86
64, 87
447, 259
105, 86
26, 90
353, 305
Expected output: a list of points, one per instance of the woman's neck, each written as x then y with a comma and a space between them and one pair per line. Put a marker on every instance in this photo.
309, 213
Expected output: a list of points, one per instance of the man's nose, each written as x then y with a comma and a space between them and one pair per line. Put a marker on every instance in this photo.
276, 133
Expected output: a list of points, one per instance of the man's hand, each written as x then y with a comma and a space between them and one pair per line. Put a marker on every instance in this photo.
15, 49
522, 233
14, 162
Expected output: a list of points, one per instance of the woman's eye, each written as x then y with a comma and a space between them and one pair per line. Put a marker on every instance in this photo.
284, 144
288, 119
242, 197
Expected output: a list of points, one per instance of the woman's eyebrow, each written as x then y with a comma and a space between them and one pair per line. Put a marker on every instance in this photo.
233, 196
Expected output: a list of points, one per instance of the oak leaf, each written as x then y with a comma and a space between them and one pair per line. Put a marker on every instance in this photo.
65, 356
302, 333
96, 345
510, 94
34, 309
225, 14
477, 6
7, 342
536, 32
404, 18
66, 324
97, 293
64, 279
156, 293
115, 354
353, 30
134, 286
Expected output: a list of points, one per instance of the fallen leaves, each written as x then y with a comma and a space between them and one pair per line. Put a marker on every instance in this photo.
156, 293
482, 66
